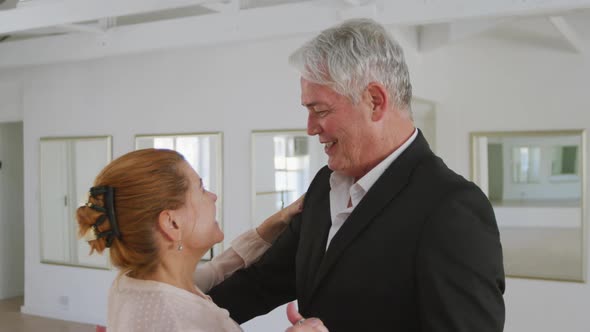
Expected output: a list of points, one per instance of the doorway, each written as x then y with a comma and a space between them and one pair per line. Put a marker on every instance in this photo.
12, 237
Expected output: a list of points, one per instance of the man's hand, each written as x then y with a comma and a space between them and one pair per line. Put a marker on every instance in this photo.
301, 324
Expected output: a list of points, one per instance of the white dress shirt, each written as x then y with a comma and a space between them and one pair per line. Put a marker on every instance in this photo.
343, 188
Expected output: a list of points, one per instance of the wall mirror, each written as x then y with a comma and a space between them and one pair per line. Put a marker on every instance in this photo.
283, 164
68, 166
423, 113
203, 151
535, 182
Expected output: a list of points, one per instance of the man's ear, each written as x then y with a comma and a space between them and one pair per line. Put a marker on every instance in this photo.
167, 226
379, 100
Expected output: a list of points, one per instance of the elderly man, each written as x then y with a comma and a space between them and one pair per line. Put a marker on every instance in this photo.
389, 238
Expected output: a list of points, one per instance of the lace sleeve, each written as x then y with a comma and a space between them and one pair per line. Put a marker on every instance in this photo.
245, 250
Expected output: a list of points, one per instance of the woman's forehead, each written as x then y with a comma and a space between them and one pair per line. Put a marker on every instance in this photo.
191, 173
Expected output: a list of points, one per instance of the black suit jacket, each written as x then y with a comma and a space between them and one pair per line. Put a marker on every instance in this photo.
420, 252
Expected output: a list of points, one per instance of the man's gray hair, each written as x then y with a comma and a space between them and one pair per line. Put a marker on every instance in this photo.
353, 54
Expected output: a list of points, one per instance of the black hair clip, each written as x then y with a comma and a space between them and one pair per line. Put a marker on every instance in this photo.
109, 208
96, 207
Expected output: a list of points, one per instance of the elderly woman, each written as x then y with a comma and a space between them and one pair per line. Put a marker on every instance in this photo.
151, 209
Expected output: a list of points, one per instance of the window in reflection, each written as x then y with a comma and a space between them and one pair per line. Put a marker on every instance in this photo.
283, 164
291, 163
203, 152
526, 170
565, 161
195, 149
526, 164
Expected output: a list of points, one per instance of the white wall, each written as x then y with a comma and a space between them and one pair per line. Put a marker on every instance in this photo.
12, 244
482, 85
11, 87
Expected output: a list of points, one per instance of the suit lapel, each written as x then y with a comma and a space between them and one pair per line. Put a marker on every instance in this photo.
317, 244
385, 189
316, 224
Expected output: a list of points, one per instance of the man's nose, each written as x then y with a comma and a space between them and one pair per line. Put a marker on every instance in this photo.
313, 127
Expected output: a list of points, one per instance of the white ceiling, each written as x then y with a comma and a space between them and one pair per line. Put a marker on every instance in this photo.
46, 31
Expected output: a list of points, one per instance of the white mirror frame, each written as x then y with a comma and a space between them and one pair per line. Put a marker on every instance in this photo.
60, 180
479, 175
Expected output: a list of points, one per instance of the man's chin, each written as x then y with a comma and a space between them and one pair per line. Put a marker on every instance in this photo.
335, 166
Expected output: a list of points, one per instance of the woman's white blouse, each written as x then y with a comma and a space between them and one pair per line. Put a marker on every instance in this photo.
145, 305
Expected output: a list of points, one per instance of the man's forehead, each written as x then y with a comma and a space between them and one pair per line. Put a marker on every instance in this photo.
313, 102
305, 84
320, 95
309, 105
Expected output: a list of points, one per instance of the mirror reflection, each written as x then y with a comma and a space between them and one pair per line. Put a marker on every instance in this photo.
283, 165
203, 152
565, 163
68, 167
534, 183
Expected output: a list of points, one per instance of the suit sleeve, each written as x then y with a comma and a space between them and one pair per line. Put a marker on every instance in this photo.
265, 285
459, 267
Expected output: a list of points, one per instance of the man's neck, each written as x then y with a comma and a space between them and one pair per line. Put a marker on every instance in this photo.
387, 150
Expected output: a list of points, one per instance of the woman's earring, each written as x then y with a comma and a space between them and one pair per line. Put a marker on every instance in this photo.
179, 246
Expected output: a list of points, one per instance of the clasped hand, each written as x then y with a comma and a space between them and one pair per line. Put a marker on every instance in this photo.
301, 324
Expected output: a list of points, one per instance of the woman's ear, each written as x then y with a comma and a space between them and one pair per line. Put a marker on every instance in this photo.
168, 226
379, 100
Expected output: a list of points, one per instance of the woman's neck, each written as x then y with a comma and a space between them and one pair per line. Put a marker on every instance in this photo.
177, 269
